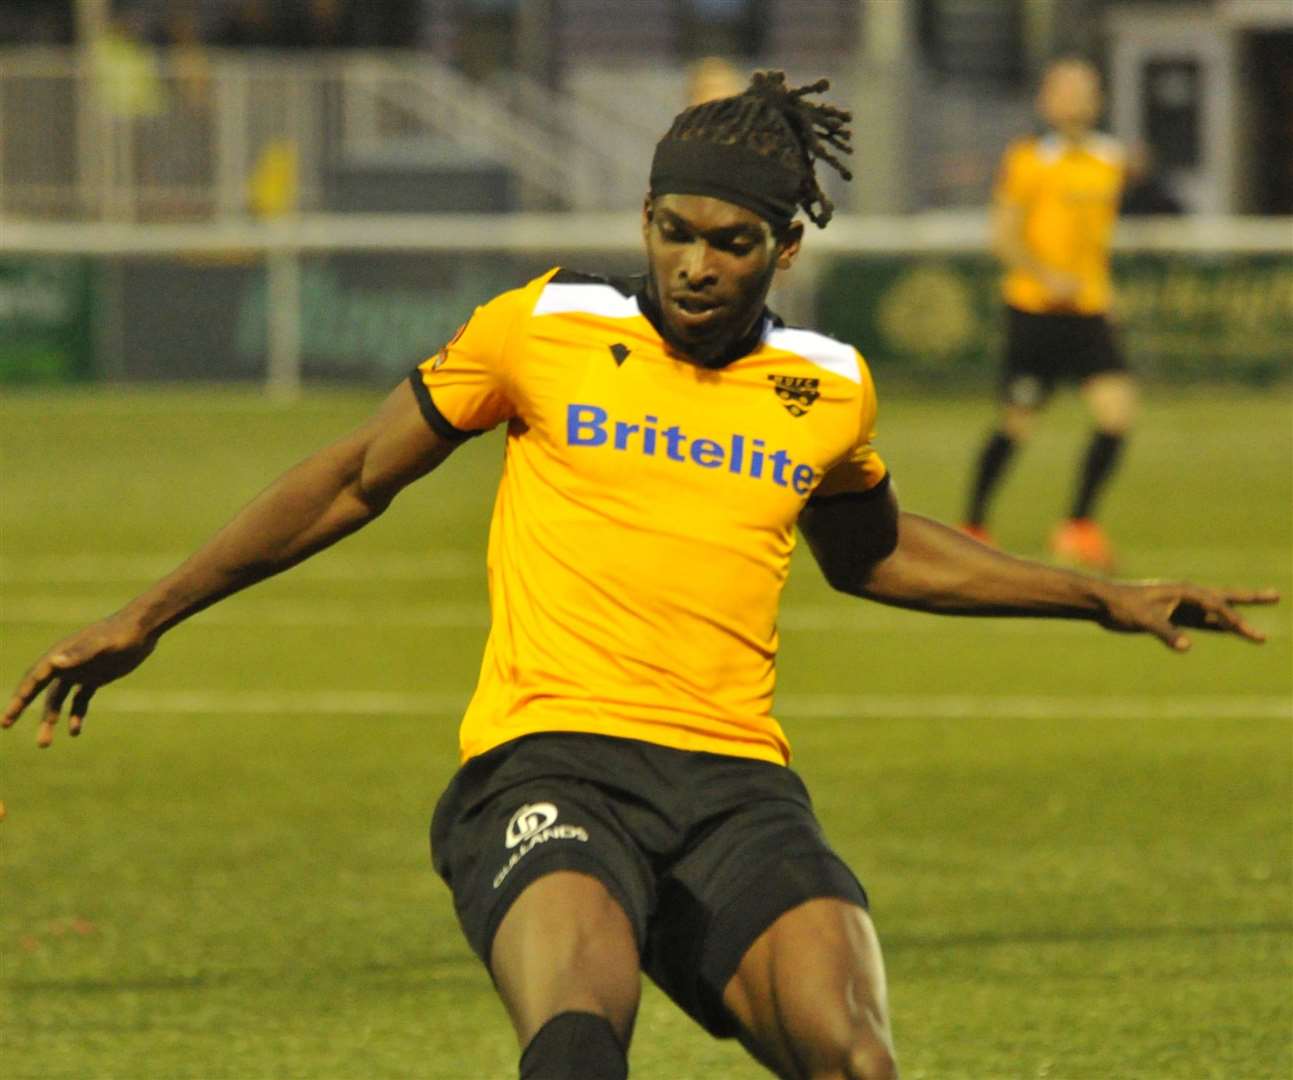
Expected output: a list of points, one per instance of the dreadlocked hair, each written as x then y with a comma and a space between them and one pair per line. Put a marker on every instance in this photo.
777, 122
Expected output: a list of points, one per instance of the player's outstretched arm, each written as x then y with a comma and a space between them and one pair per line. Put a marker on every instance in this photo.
327, 496
926, 566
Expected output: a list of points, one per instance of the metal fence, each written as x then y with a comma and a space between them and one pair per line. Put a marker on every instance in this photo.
173, 135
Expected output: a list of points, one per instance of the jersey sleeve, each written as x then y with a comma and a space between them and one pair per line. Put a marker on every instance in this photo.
1016, 174
861, 471
466, 388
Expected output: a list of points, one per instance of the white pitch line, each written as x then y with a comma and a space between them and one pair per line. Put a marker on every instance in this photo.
1048, 707
443, 564
324, 615
833, 617
436, 565
800, 706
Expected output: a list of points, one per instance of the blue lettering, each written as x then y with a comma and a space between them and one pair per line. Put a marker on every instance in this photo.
585, 418
590, 425
706, 453
674, 438
648, 436
622, 433
737, 460
780, 461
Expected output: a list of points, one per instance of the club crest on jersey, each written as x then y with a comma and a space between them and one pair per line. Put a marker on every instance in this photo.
795, 393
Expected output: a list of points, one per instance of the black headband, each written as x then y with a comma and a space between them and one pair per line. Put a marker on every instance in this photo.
730, 172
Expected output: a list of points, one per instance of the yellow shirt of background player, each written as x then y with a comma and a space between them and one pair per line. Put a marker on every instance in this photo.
645, 518
1069, 196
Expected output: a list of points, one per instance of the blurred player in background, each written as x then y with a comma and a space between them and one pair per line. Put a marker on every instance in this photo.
711, 78
624, 803
1056, 203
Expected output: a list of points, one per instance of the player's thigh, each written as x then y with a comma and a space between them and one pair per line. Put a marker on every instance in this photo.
566, 945
549, 884
810, 995
1111, 397
1028, 374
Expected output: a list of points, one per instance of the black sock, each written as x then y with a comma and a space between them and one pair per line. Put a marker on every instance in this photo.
1101, 456
992, 463
575, 1046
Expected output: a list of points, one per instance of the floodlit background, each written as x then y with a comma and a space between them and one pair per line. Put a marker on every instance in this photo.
227, 227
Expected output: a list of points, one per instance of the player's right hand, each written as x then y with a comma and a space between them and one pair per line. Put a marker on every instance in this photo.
74, 669
1063, 286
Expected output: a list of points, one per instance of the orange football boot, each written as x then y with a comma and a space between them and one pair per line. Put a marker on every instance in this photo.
1082, 541
979, 533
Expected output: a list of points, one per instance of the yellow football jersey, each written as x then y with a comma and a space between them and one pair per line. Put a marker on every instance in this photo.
646, 513
1069, 196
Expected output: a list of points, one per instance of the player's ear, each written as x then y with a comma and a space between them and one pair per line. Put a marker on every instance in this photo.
788, 244
648, 210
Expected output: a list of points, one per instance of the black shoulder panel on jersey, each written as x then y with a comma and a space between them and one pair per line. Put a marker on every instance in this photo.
434, 417
625, 286
851, 496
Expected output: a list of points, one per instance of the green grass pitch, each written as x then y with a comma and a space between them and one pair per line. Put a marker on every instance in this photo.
1077, 844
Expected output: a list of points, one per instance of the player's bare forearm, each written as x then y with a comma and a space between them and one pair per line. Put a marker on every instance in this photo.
1008, 239
938, 569
873, 550
308, 508
329, 495
1010, 246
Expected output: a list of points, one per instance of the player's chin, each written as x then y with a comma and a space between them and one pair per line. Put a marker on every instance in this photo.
703, 342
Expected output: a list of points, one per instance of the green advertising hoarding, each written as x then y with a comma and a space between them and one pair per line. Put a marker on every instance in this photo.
937, 318
45, 320
1181, 317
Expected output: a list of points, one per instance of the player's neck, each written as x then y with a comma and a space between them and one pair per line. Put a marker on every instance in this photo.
741, 346
1073, 135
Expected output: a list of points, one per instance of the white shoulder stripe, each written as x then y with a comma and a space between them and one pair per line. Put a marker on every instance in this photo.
818, 349
1049, 148
1107, 148
590, 298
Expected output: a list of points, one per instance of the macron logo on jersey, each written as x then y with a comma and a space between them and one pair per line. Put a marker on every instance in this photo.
592, 426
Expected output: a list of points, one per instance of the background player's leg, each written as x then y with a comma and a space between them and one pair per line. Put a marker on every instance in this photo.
567, 947
810, 996
1014, 428
1111, 398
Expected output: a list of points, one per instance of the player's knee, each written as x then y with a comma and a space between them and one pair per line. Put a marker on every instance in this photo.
1018, 424
575, 1046
865, 1058
1113, 404
871, 1059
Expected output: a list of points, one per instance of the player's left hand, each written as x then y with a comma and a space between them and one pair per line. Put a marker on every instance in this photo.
1165, 609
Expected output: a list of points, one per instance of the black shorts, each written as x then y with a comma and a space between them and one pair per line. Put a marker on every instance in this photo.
703, 851
1042, 350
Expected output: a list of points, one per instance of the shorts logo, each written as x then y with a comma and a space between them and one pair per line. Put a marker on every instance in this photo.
534, 824
530, 819
797, 394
